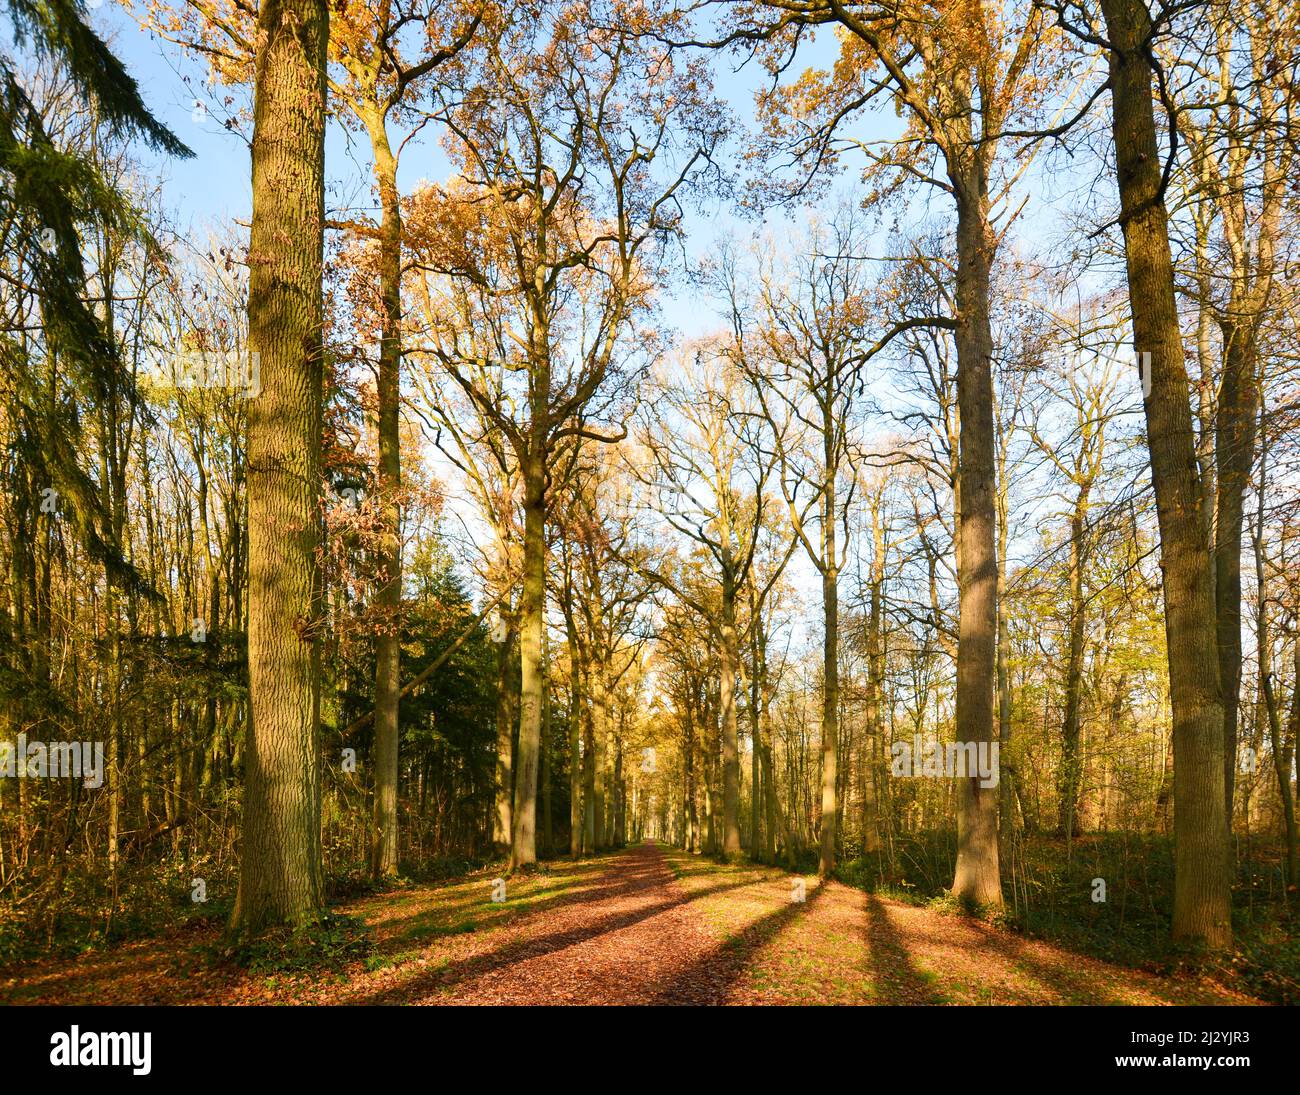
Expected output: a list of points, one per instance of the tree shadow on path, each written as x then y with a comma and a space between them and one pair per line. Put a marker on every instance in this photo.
639, 874
713, 978
896, 978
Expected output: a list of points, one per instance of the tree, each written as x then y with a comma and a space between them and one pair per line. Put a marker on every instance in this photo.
608, 594
963, 82
1240, 159
376, 82
1089, 393
568, 134
490, 471
1202, 889
280, 879
704, 465
371, 84
873, 491
805, 361
1281, 742
49, 192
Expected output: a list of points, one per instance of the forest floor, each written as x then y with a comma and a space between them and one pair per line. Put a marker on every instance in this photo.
649, 925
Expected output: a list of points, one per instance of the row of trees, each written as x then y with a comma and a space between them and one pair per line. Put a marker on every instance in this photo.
901, 493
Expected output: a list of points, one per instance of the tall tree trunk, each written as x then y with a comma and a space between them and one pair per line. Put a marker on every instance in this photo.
1071, 773
523, 844
588, 779
830, 702
505, 788
280, 875
691, 816
548, 847
1283, 757
1234, 450
763, 744
575, 734
113, 625
388, 597
730, 657
620, 807
773, 808
1006, 773
600, 743
875, 689
1202, 889
755, 739
977, 879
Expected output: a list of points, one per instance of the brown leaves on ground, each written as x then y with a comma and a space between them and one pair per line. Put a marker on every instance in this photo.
646, 926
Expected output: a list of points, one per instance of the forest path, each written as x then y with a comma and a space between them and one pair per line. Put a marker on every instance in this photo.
624, 934
642, 926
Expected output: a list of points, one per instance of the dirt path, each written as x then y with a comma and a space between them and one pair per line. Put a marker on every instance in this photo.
632, 938
649, 925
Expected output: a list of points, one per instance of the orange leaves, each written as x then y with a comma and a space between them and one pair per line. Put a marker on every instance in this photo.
222, 32
459, 228
353, 32
960, 73
647, 926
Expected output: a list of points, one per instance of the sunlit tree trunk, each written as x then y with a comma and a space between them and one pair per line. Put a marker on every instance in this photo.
523, 849
620, 805
1071, 772
762, 742
1202, 887
1245, 169
547, 746
691, 815
599, 741
575, 738
1234, 458
977, 879
1007, 776
729, 653
280, 876
875, 689
830, 696
505, 743
388, 597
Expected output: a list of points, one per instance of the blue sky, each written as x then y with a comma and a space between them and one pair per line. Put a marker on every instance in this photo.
215, 183
214, 186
